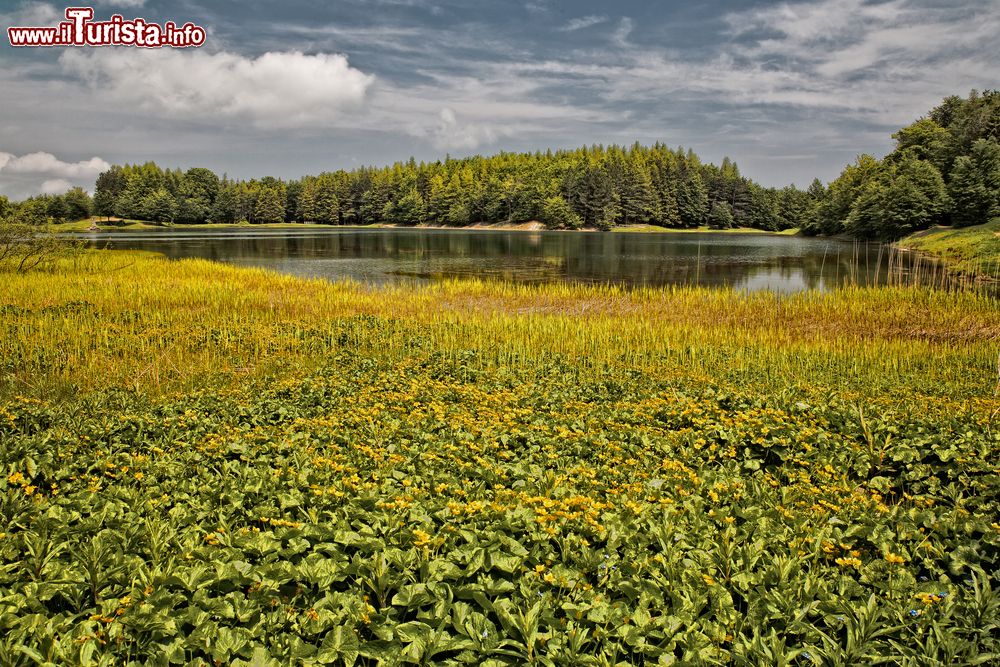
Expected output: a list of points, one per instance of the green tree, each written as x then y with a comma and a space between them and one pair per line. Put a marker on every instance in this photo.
224, 209
158, 206
326, 203
558, 214
973, 202
57, 208
107, 189
899, 199
270, 207
721, 216
33, 211
692, 200
79, 204
639, 203
927, 141
611, 213
408, 210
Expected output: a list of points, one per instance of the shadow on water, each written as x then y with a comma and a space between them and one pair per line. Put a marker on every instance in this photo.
380, 256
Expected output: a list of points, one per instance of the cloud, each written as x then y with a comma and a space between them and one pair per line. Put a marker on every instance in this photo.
276, 89
451, 134
892, 59
759, 81
49, 164
34, 173
55, 186
31, 14
621, 34
583, 22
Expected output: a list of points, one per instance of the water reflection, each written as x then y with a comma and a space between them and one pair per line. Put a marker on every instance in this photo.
379, 256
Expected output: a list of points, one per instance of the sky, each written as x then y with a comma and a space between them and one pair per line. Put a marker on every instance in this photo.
789, 90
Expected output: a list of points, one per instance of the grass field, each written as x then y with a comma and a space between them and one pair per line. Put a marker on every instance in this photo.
205, 464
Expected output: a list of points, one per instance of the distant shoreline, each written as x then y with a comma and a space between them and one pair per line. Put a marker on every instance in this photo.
104, 225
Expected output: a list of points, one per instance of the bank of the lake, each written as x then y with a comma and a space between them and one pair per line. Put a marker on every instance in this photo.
113, 224
972, 251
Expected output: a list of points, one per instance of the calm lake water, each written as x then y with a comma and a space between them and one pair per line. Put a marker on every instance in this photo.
379, 256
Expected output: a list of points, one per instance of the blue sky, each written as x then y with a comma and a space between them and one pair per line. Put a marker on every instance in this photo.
790, 90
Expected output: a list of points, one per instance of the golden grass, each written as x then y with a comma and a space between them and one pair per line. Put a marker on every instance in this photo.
973, 251
139, 320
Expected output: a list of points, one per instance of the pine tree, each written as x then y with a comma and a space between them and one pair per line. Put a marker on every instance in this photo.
972, 201
408, 210
609, 216
305, 207
721, 216
692, 200
639, 203
270, 206
558, 214
326, 208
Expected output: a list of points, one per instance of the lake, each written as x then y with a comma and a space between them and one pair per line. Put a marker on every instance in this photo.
744, 261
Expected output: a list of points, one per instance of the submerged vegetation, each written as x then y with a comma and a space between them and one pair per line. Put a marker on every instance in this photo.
205, 464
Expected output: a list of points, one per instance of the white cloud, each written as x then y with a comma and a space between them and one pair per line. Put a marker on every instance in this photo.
31, 14
451, 134
33, 173
276, 89
890, 60
49, 164
834, 75
55, 186
583, 22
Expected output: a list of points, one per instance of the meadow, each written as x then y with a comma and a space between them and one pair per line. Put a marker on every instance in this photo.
204, 464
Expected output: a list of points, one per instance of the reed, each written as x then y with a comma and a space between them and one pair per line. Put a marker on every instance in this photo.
143, 322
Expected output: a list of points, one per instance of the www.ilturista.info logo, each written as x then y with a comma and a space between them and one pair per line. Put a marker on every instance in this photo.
79, 29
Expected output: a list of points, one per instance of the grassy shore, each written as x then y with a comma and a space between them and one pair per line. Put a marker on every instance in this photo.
210, 464
974, 251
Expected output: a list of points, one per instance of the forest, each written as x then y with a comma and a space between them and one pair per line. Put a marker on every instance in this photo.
944, 170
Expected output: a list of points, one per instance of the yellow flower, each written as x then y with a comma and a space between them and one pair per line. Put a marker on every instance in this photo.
894, 559
539, 568
708, 580
849, 562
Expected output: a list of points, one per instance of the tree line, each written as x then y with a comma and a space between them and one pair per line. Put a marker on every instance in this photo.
75, 204
592, 186
945, 169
